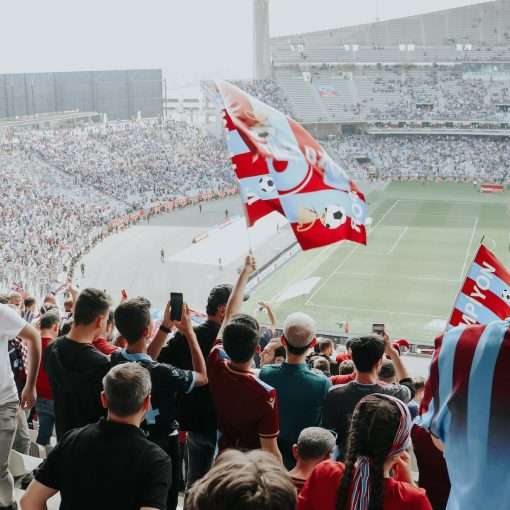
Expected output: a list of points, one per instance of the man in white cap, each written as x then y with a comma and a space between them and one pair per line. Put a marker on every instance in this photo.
301, 392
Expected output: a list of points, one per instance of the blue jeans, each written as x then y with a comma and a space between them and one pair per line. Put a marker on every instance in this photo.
46, 415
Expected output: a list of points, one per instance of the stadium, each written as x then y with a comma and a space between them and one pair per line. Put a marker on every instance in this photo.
109, 182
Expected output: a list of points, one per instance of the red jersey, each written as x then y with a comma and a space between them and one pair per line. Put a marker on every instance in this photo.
105, 347
342, 379
42, 382
343, 356
320, 491
246, 407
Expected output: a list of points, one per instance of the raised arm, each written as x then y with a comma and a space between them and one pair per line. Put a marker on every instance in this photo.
159, 341
270, 313
185, 326
393, 354
236, 298
32, 340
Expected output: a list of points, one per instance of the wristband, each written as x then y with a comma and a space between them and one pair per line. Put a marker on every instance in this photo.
164, 329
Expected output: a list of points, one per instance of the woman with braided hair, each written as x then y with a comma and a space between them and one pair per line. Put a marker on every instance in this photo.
376, 473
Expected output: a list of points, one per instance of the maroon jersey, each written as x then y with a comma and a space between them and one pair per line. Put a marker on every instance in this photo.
246, 407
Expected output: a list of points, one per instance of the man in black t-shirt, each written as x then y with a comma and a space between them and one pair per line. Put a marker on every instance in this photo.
108, 464
367, 355
196, 412
75, 368
132, 318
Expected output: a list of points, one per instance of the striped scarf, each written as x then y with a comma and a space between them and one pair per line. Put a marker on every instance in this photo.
360, 497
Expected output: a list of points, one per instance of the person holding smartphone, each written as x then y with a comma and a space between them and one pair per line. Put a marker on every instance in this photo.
133, 320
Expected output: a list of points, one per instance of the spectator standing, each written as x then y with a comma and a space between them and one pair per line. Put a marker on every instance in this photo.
314, 445
11, 326
196, 412
75, 368
246, 407
301, 392
108, 464
49, 324
378, 439
367, 355
133, 321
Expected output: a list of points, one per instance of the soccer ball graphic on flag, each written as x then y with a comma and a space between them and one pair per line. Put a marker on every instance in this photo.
505, 296
333, 216
266, 184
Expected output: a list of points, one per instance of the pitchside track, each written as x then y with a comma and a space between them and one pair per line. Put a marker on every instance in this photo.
421, 242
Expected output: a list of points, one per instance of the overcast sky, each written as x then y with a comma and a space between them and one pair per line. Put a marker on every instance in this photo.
187, 38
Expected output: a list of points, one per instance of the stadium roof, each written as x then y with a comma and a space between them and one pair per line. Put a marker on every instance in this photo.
486, 23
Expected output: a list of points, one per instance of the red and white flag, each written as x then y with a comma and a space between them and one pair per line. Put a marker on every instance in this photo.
485, 295
281, 167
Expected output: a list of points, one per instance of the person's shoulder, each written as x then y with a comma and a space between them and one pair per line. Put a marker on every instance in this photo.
153, 453
407, 494
329, 469
270, 370
342, 389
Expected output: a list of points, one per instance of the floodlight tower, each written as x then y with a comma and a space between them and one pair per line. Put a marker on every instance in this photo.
261, 48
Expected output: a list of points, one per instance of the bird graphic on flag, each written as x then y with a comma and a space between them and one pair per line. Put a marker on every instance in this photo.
485, 294
281, 167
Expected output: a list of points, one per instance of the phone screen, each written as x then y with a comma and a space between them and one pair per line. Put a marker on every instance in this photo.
378, 329
175, 306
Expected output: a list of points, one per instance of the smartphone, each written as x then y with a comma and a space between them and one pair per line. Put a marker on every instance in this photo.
378, 329
176, 306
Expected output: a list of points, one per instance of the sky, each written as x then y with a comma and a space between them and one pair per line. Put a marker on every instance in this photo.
188, 39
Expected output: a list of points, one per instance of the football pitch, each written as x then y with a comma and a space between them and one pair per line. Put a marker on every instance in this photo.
420, 245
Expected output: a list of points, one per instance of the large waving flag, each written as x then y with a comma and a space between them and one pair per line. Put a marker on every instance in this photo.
467, 406
282, 168
485, 295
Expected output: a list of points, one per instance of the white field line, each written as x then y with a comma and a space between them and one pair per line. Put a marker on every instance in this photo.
401, 277
399, 238
468, 249
373, 310
348, 256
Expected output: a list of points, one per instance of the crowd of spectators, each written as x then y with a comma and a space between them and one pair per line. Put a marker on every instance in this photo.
431, 158
144, 414
136, 162
63, 190
267, 91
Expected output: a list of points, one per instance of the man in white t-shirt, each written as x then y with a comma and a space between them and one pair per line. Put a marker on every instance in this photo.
12, 326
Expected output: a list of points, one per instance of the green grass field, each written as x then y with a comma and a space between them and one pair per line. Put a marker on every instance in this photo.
420, 245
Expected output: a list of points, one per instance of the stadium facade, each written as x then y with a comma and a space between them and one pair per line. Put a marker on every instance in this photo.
443, 67
122, 94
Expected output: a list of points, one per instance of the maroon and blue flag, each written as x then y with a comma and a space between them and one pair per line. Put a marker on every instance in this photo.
280, 167
485, 294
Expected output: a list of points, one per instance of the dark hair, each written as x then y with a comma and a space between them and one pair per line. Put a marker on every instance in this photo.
29, 301
111, 318
366, 352
132, 318
241, 338
49, 319
324, 343
126, 387
65, 327
346, 367
244, 481
297, 351
91, 303
374, 424
4, 299
280, 352
387, 370
217, 297
419, 383
348, 344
